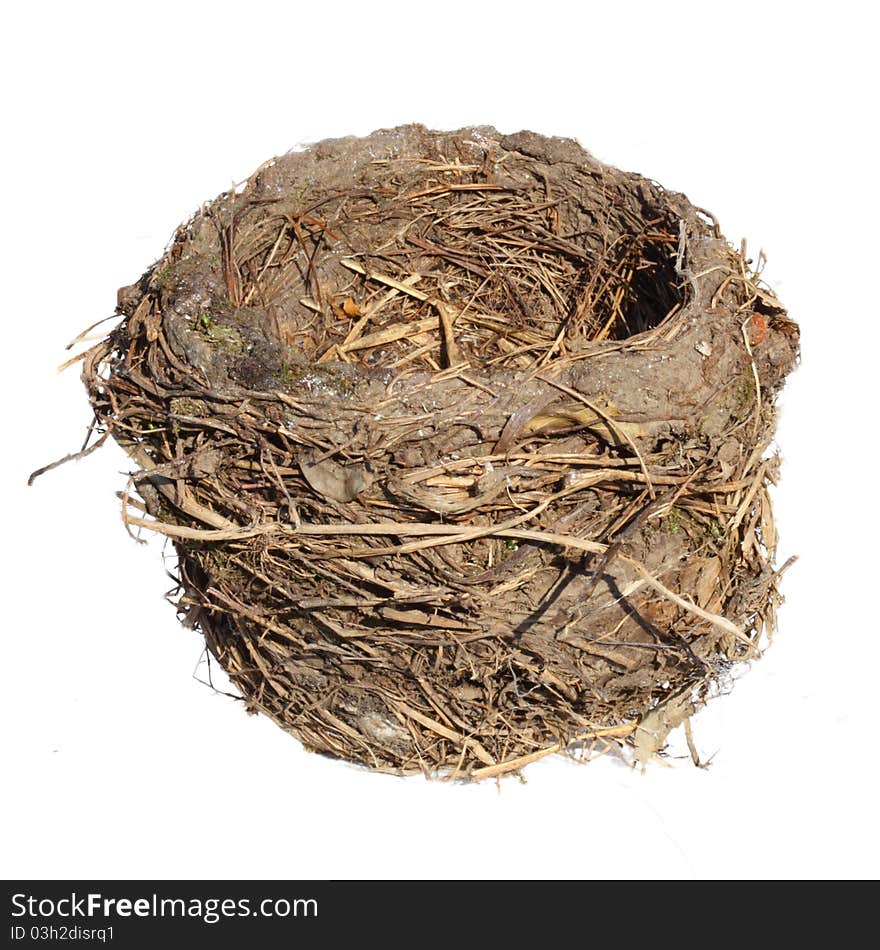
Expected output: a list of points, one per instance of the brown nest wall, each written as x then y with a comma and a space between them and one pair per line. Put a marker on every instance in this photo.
461, 440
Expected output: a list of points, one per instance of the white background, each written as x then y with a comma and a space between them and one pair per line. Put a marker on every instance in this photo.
119, 120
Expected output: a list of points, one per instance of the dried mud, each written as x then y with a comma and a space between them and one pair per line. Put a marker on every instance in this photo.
461, 440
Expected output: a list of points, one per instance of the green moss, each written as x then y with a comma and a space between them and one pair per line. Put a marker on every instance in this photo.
171, 276
292, 371
227, 338
673, 521
744, 395
295, 374
168, 279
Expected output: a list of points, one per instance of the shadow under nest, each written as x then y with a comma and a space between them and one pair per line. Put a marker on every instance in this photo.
461, 440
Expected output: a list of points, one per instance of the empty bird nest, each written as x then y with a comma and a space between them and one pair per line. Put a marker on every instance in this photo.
461, 439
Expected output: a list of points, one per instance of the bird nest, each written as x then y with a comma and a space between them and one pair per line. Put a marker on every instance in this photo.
461, 440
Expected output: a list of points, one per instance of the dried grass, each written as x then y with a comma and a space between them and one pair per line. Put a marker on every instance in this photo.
461, 440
